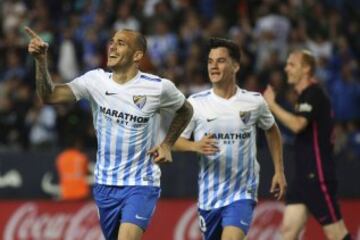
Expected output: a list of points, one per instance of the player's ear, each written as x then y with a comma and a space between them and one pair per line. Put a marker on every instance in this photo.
138, 55
236, 66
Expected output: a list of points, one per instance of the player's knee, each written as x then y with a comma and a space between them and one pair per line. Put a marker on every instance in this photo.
336, 236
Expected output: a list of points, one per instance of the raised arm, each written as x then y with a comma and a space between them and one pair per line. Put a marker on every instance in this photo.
278, 184
46, 89
162, 153
293, 122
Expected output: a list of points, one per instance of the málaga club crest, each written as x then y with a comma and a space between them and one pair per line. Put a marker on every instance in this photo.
245, 116
139, 100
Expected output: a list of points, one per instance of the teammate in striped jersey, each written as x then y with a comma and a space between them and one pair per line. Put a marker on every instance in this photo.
224, 127
125, 105
314, 186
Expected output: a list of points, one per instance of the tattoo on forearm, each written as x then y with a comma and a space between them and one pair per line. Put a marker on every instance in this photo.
180, 121
44, 84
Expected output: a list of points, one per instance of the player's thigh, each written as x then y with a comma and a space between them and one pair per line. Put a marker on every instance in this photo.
130, 231
295, 217
335, 230
109, 202
321, 200
237, 218
140, 205
210, 223
232, 233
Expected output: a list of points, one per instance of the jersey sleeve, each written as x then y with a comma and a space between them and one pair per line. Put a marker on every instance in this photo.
79, 86
266, 119
306, 106
170, 96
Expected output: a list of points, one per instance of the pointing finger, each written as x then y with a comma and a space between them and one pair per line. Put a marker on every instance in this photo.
31, 33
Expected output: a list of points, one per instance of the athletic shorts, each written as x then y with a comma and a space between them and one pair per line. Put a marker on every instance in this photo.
238, 214
319, 198
127, 204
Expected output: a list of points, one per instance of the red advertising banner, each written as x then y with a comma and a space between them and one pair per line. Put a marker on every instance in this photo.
173, 220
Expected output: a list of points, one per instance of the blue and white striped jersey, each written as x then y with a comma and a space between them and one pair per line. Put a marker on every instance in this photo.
232, 173
125, 120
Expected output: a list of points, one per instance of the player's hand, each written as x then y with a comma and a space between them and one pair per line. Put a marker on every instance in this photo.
278, 186
207, 145
269, 95
161, 153
37, 47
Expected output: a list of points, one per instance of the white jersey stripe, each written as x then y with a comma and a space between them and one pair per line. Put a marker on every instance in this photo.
227, 182
107, 149
112, 147
118, 154
131, 153
142, 159
238, 183
98, 135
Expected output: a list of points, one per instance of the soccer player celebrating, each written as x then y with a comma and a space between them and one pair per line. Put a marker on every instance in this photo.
314, 186
224, 127
124, 104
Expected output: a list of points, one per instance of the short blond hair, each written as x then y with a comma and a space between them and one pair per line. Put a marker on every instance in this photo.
308, 59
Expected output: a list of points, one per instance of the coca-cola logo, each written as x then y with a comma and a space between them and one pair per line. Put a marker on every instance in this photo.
29, 222
187, 228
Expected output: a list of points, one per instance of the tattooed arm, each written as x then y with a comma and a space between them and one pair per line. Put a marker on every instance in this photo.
46, 89
179, 123
162, 153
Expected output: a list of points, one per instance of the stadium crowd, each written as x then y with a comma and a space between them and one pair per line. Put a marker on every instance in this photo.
176, 31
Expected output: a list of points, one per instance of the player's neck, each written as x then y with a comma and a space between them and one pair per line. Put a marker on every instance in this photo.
123, 76
303, 84
225, 91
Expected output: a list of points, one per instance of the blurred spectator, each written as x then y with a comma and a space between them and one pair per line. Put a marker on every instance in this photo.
124, 19
68, 66
73, 166
345, 94
14, 67
41, 120
161, 43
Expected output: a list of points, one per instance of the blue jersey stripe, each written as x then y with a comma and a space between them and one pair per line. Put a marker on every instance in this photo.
99, 135
149, 167
118, 155
142, 157
227, 173
216, 180
107, 149
253, 176
240, 169
130, 157
249, 169
154, 79
205, 179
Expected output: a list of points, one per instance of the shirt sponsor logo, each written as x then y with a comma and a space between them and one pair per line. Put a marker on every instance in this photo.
231, 136
304, 107
124, 116
139, 101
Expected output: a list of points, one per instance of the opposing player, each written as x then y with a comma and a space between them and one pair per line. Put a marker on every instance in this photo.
224, 127
314, 187
124, 103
